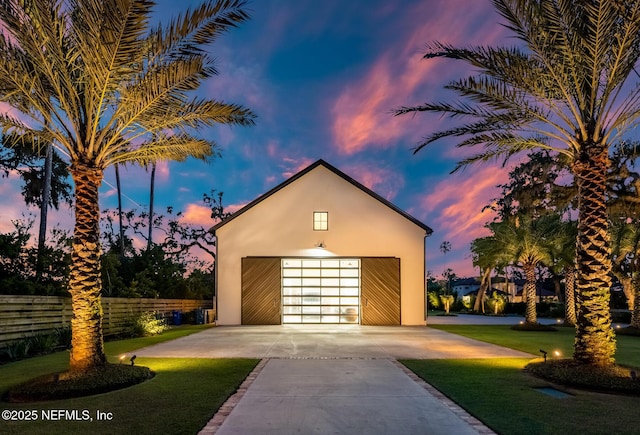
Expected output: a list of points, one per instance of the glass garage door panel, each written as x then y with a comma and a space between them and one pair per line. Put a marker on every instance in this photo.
320, 290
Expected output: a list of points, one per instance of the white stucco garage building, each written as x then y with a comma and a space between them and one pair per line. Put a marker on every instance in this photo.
320, 248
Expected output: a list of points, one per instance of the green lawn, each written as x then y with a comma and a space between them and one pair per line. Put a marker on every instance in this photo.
530, 341
497, 391
180, 399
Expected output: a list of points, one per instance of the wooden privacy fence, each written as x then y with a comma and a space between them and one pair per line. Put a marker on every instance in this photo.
24, 316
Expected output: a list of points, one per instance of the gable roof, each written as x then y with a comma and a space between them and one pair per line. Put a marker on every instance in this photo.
339, 174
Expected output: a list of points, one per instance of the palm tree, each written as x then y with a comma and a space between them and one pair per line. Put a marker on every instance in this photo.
104, 86
152, 188
488, 254
566, 89
626, 258
562, 250
119, 193
527, 243
44, 208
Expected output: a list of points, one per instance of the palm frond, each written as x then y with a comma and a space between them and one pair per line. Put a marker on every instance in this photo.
567, 81
106, 82
177, 148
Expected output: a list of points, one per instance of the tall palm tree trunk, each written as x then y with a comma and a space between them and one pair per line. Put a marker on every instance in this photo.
530, 293
44, 208
151, 197
635, 314
485, 282
595, 340
120, 228
84, 281
570, 296
627, 288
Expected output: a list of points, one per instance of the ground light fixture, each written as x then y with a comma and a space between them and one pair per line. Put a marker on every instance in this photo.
122, 357
544, 354
133, 358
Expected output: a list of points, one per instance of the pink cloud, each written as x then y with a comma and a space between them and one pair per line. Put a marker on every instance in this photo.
272, 147
196, 214
162, 170
461, 197
384, 182
11, 202
292, 166
13, 208
232, 208
454, 211
361, 112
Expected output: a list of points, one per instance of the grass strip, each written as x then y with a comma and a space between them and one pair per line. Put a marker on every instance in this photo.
180, 399
628, 347
497, 392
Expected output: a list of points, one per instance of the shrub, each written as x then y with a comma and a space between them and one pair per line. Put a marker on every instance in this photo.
39, 344
496, 303
63, 335
17, 350
447, 301
42, 344
146, 324
468, 301
434, 300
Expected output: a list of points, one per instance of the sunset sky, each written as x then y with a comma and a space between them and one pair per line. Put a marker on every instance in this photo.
323, 77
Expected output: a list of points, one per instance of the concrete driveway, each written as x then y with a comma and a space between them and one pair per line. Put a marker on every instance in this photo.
334, 379
327, 342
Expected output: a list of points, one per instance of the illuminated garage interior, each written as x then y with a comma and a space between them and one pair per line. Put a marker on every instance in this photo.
320, 290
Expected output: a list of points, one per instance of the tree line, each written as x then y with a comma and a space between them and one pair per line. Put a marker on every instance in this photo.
165, 268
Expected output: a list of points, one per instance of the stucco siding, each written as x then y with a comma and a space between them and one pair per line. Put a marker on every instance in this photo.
282, 226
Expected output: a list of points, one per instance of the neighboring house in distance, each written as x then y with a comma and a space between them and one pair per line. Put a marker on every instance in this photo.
470, 286
320, 248
464, 286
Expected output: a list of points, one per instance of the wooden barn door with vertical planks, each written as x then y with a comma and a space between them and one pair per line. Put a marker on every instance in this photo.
380, 291
261, 286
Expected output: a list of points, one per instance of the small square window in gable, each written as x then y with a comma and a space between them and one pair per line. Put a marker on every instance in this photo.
320, 221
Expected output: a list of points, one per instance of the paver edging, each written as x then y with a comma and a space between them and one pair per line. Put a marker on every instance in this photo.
216, 421
460, 412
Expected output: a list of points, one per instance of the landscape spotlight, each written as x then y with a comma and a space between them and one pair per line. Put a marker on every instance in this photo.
134, 357
544, 354
122, 357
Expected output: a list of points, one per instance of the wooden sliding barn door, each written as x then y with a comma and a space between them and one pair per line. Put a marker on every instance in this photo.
261, 288
380, 291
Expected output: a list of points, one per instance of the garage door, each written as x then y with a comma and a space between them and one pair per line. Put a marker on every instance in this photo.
320, 290
380, 291
260, 291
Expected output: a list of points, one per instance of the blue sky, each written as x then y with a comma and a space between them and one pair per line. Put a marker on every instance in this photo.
323, 78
